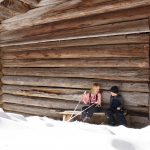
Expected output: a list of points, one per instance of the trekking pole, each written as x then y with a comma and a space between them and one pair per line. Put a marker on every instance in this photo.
75, 109
80, 113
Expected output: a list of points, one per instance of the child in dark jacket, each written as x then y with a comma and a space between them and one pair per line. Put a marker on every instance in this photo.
116, 108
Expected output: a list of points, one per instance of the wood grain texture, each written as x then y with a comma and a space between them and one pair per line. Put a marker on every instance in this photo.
80, 63
23, 103
101, 40
130, 27
131, 98
74, 13
132, 51
40, 111
76, 83
136, 75
41, 102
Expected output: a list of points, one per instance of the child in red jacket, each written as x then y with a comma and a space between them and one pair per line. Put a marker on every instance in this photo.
93, 101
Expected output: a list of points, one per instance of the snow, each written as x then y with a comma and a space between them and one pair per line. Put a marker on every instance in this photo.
41, 133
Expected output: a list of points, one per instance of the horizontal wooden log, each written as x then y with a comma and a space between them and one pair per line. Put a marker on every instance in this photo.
48, 44
71, 13
140, 50
129, 74
96, 62
55, 115
38, 12
19, 100
31, 110
6, 13
16, 6
123, 15
41, 102
53, 93
138, 26
53, 3
131, 98
139, 121
32, 3
76, 83
83, 2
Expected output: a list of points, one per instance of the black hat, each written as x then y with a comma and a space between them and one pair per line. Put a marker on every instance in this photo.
114, 89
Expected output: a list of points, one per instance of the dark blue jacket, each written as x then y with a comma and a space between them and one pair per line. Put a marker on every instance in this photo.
116, 101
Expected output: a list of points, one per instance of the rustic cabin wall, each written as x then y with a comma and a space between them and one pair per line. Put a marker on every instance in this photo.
54, 76
149, 70
47, 67
0, 80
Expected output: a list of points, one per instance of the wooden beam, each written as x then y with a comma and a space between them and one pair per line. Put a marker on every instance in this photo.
19, 22
72, 83
131, 98
122, 74
40, 102
6, 13
32, 3
101, 40
40, 111
30, 110
38, 12
123, 15
100, 51
139, 121
87, 3
16, 6
149, 68
131, 27
138, 26
53, 3
81, 63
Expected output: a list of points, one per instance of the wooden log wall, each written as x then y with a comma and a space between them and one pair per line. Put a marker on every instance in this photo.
0, 80
49, 60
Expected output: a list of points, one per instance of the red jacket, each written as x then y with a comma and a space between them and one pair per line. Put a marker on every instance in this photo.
90, 98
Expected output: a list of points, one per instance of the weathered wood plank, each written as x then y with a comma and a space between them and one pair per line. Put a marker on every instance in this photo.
40, 102
24, 101
137, 75
139, 121
131, 98
123, 15
73, 13
37, 111
50, 2
32, 3
92, 62
108, 40
53, 93
137, 26
133, 51
83, 2
76, 83
7, 13
16, 6
39, 12
32, 110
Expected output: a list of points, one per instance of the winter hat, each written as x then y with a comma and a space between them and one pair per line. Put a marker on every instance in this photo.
114, 89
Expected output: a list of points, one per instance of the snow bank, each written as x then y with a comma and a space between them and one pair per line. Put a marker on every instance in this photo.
41, 133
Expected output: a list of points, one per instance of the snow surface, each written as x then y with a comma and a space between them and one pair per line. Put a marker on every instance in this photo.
41, 133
